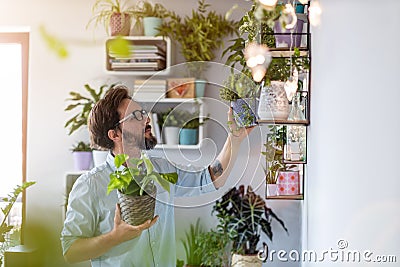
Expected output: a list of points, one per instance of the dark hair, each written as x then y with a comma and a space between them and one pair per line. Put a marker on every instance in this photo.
104, 116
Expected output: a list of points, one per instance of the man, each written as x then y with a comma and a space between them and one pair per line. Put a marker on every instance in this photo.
93, 229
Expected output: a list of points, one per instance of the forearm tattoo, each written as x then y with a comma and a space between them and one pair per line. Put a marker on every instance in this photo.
216, 168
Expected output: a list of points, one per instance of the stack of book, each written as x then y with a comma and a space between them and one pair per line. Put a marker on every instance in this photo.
149, 89
141, 58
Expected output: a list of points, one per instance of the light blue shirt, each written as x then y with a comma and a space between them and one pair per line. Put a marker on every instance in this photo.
90, 213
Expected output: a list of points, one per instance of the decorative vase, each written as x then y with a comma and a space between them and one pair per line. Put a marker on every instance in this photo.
136, 210
277, 104
244, 112
120, 24
82, 160
150, 25
99, 157
200, 87
272, 190
171, 135
188, 136
245, 261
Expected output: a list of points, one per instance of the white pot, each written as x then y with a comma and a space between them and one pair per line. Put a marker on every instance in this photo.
99, 157
272, 190
171, 135
276, 101
245, 261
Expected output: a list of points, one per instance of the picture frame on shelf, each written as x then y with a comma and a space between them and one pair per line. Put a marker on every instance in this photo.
181, 88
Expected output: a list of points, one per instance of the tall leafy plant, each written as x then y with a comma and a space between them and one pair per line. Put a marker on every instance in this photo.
83, 104
5, 229
247, 215
190, 244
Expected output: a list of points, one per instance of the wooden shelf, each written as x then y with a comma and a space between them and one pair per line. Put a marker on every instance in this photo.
184, 147
288, 197
284, 122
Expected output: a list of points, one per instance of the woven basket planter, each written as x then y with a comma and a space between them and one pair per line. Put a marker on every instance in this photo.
136, 210
120, 24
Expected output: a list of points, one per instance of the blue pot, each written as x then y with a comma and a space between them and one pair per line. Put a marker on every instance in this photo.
200, 87
188, 136
244, 112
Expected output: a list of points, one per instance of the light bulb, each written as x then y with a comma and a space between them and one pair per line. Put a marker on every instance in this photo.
251, 62
315, 13
256, 54
258, 73
268, 4
290, 88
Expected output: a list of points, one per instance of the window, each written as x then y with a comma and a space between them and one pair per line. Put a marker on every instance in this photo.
13, 115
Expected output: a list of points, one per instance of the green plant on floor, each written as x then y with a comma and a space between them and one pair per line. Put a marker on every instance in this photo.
81, 146
138, 177
84, 104
190, 244
247, 215
6, 229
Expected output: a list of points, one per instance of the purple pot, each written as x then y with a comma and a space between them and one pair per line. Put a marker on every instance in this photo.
82, 160
284, 38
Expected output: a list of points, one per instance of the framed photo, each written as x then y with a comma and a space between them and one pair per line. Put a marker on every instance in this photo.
181, 88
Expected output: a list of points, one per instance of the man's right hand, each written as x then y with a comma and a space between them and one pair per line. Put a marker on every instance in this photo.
123, 232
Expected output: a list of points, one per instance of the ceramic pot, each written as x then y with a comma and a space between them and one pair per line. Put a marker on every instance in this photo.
82, 160
272, 190
150, 25
120, 24
283, 38
171, 135
200, 87
244, 112
188, 136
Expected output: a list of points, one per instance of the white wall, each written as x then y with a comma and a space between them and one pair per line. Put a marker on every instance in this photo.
353, 140
51, 78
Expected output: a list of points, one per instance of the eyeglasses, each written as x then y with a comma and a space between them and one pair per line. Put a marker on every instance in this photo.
137, 114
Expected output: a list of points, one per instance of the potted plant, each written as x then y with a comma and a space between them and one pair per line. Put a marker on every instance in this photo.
240, 91
215, 245
247, 215
170, 124
135, 181
274, 149
199, 36
5, 229
189, 133
190, 244
149, 16
82, 154
83, 104
115, 15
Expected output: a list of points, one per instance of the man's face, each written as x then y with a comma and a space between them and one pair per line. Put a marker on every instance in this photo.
136, 131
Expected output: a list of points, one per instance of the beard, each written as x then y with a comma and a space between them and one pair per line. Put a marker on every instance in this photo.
141, 140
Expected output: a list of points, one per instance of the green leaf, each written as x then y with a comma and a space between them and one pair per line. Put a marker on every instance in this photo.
164, 183
170, 177
149, 165
120, 159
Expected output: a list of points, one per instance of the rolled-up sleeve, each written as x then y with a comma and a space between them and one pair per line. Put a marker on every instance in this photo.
192, 180
81, 216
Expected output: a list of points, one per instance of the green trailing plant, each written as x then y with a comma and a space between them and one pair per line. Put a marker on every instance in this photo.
274, 149
246, 215
236, 86
103, 10
5, 229
84, 104
199, 34
137, 176
190, 244
171, 118
191, 120
257, 26
81, 147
